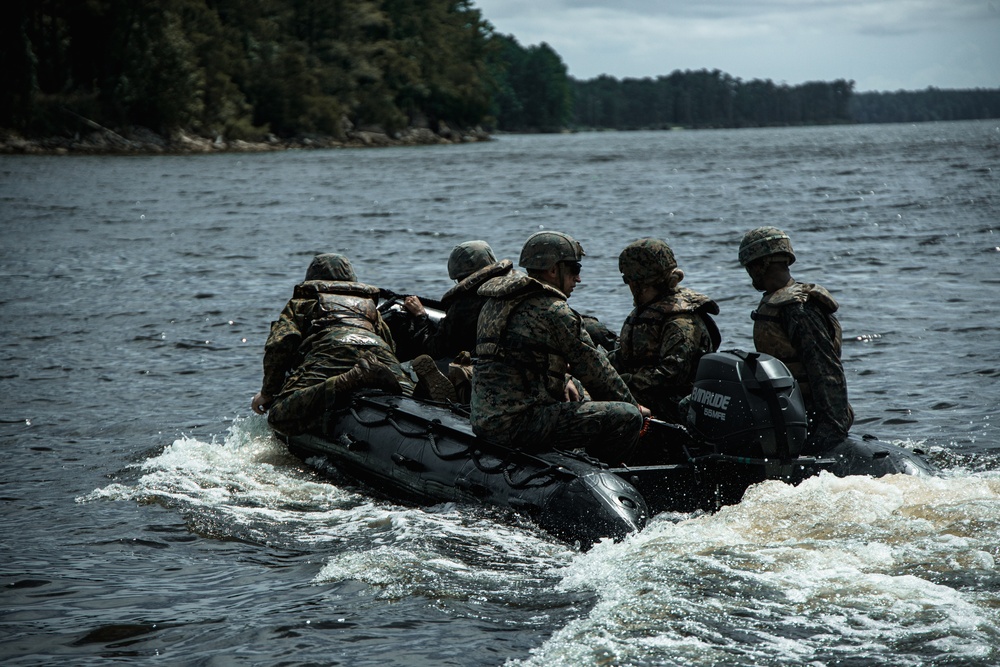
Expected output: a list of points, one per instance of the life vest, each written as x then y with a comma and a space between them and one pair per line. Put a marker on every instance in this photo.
769, 335
472, 282
652, 316
340, 303
496, 343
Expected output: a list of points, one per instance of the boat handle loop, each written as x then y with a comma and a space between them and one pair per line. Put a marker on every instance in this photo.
426, 433
505, 466
373, 422
549, 472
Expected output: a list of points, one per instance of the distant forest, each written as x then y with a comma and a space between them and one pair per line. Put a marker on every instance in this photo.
707, 99
925, 105
713, 99
288, 68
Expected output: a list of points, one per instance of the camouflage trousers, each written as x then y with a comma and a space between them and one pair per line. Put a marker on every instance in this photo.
460, 373
302, 409
606, 430
309, 395
826, 432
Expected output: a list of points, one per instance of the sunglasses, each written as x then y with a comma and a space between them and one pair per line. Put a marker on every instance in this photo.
574, 267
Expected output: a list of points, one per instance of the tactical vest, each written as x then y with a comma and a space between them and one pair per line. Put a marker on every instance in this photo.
340, 303
474, 281
497, 344
769, 335
653, 315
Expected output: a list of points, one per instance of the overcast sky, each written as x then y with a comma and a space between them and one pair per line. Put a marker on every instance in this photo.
880, 44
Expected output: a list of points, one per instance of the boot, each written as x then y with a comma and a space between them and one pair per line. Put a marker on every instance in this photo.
368, 373
460, 374
433, 384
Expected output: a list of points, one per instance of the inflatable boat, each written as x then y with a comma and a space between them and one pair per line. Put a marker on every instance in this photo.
747, 424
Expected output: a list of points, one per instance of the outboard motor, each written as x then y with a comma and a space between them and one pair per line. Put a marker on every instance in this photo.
747, 404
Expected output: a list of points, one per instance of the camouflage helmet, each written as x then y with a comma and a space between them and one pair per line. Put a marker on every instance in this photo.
331, 266
543, 250
764, 242
467, 258
646, 261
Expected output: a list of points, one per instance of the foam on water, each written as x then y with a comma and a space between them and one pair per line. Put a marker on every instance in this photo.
817, 573
450, 567
249, 479
249, 463
156, 327
250, 487
806, 574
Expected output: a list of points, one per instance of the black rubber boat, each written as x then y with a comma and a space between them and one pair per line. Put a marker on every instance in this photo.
747, 425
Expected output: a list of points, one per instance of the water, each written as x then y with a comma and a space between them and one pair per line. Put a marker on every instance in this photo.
148, 518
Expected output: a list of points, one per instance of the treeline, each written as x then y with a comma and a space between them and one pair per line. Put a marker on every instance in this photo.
919, 106
240, 69
705, 98
533, 90
291, 68
699, 99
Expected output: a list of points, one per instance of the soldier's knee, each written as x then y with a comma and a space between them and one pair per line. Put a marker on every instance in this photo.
629, 420
285, 416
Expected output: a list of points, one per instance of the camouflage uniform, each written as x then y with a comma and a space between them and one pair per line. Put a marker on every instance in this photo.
665, 336
528, 339
599, 333
322, 332
456, 332
660, 346
797, 325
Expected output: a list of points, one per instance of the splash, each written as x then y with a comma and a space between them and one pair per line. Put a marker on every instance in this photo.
453, 553
246, 487
900, 569
249, 487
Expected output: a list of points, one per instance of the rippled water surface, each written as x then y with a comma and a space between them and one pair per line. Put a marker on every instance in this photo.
148, 518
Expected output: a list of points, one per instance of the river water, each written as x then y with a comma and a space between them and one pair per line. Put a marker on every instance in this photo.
148, 518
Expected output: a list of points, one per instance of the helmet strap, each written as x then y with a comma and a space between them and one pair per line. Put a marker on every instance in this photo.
548, 276
562, 271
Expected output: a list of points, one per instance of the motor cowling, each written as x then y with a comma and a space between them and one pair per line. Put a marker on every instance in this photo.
747, 404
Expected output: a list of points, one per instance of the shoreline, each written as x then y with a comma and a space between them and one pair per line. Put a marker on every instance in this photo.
142, 141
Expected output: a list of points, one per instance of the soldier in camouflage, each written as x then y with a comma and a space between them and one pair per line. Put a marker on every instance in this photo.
452, 339
795, 322
666, 334
470, 265
529, 343
328, 342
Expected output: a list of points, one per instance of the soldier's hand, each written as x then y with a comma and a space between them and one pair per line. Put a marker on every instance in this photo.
260, 403
412, 304
645, 412
572, 393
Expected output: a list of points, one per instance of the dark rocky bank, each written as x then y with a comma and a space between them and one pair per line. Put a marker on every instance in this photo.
142, 141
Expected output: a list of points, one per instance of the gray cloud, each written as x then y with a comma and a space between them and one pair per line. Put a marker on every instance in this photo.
881, 44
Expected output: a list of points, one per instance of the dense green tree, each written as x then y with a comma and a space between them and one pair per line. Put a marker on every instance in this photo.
705, 98
18, 62
505, 57
241, 69
545, 89
931, 104
532, 87
236, 68
443, 70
